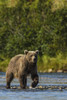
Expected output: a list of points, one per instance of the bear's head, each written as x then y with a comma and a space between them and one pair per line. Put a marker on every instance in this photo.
31, 56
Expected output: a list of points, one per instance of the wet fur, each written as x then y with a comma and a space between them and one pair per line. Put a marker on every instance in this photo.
19, 67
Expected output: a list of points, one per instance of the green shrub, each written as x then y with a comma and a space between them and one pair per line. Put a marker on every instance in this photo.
3, 63
55, 63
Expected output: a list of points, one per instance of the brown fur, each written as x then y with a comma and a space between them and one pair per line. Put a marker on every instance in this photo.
22, 65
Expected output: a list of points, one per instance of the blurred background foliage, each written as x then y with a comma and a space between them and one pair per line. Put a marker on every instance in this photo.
34, 24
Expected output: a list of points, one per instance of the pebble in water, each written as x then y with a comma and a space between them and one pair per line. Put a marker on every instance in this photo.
40, 87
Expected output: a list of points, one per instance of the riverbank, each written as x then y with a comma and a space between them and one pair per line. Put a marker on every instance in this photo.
45, 63
52, 64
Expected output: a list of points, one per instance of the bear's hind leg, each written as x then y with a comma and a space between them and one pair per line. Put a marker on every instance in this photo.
9, 78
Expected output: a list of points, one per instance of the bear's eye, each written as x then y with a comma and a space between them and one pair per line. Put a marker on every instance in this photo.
31, 55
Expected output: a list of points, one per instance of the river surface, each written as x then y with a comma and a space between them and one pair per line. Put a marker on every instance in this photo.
46, 80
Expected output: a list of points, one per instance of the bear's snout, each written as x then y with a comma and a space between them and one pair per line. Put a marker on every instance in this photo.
35, 59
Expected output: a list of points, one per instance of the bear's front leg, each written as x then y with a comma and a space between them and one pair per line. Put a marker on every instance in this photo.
35, 79
23, 81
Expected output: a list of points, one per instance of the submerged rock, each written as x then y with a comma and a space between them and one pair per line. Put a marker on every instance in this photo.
46, 87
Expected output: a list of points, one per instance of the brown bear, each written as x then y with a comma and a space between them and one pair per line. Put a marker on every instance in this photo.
20, 66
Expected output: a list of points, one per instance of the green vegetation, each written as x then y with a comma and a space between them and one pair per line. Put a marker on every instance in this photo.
34, 24
3, 63
52, 64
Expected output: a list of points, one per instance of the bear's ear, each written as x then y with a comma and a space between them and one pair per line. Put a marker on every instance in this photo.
37, 51
25, 51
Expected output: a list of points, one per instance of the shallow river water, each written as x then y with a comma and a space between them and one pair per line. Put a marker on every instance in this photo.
52, 86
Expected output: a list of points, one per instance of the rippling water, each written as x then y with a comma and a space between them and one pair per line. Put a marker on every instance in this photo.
46, 79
